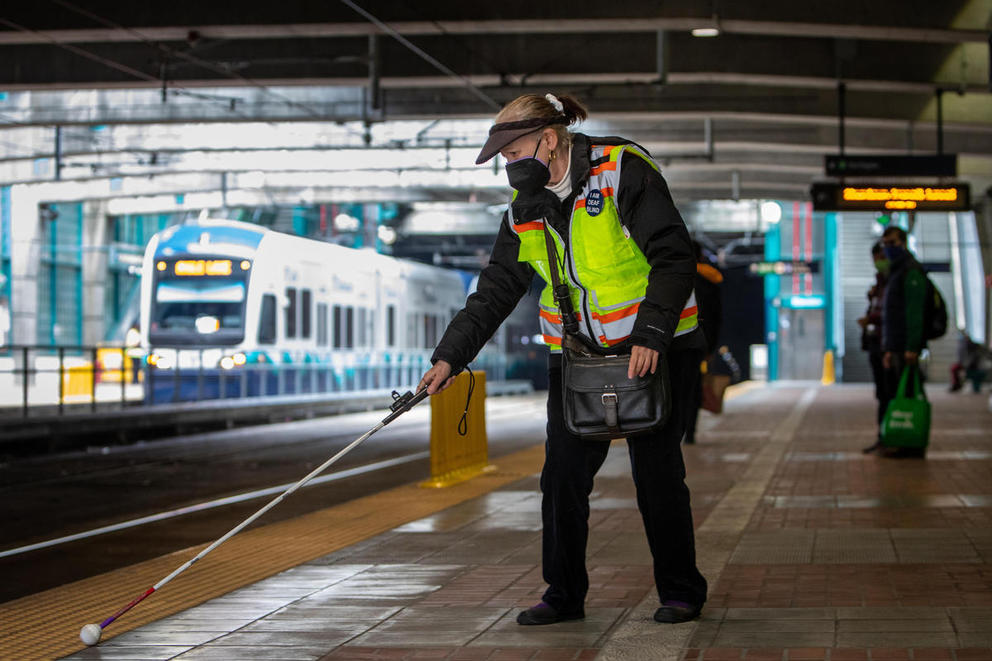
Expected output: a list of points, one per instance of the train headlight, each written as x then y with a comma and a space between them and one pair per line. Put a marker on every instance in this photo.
161, 362
239, 359
207, 324
227, 362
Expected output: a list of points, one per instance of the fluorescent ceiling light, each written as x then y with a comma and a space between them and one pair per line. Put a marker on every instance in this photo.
706, 32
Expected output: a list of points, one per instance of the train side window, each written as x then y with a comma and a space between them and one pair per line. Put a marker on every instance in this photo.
390, 325
412, 341
349, 327
337, 326
361, 327
322, 324
305, 309
430, 325
291, 312
267, 321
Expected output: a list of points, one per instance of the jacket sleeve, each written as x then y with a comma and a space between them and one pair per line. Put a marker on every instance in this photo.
915, 292
502, 284
893, 315
649, 214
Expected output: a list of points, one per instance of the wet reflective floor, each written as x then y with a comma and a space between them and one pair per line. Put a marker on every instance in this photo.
814, 551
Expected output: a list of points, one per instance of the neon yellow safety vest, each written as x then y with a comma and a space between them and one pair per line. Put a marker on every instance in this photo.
606, 271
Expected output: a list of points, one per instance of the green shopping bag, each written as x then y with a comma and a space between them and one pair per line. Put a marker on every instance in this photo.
907, 419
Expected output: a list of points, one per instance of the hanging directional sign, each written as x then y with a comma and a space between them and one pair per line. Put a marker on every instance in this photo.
868, 165
891, 197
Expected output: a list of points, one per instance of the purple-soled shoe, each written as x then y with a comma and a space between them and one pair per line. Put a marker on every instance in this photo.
543, 613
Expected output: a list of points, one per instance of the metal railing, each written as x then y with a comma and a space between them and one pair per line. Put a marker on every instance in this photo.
47, 377
40, 379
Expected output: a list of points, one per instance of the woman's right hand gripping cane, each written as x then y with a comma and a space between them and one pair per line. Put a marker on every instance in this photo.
437, 378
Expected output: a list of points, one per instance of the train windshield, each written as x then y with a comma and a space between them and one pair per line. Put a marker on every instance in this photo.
198, 310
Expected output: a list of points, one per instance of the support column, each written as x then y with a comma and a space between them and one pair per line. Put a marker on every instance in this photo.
25, 260
95, 271
773, 240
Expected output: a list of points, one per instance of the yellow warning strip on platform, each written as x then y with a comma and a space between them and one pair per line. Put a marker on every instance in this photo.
46, 625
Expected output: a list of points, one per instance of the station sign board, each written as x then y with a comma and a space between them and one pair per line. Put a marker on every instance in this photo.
891, 197
869, 165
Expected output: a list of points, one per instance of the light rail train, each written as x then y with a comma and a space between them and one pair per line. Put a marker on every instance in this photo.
231, 309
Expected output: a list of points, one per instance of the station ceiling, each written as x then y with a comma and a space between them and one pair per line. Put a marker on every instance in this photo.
750, 113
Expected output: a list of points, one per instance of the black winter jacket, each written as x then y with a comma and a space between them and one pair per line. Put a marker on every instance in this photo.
903, 306
647, 211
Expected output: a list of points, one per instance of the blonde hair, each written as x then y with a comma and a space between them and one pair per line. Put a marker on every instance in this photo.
531, 106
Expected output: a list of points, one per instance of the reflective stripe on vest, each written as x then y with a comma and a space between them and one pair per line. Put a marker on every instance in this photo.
606, 271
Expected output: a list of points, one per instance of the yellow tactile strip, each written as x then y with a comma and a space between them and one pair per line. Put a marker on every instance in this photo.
46, 625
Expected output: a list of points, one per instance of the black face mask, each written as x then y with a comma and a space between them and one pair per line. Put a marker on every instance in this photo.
528, 174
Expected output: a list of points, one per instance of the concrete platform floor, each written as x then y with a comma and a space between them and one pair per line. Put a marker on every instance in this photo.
814, 551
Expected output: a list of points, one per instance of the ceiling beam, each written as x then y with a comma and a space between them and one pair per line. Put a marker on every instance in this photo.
499, 27
493, 81
344, 104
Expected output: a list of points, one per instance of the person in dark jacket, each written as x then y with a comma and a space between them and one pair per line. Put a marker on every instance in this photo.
871, 336
707, 288
971, 357
610, 210
903, 312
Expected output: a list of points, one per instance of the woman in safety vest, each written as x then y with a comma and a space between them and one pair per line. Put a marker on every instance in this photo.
628, 261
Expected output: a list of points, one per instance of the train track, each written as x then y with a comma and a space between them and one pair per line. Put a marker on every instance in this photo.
209, 480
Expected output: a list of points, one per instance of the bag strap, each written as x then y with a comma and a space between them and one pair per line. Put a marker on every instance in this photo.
910, 379
903, 382
611, 413
917, 382
558, 289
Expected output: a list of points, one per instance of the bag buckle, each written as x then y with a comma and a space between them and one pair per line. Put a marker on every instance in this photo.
612, 417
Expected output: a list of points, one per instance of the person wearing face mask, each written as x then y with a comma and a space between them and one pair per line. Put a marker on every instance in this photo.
903, 315
627, 258
871, 336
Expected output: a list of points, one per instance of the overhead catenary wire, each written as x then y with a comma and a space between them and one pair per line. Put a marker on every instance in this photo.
485, 98
141, 75
82, 52
193, 59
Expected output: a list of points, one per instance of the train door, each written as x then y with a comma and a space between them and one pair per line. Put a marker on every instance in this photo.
801, 342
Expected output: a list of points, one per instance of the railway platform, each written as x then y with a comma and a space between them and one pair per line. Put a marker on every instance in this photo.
813, 550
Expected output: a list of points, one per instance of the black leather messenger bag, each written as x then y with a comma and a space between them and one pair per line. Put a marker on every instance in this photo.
599, 401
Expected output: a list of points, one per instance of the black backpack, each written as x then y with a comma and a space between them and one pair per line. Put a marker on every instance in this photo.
934, 313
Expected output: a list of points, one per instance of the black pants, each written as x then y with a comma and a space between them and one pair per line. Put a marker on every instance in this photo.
881, 385
694, 404
570, 465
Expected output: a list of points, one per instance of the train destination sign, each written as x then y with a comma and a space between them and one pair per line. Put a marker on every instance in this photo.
203, 267
868, 165
891, 197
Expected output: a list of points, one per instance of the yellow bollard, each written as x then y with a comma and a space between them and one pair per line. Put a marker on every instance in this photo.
456, 458
828, 368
